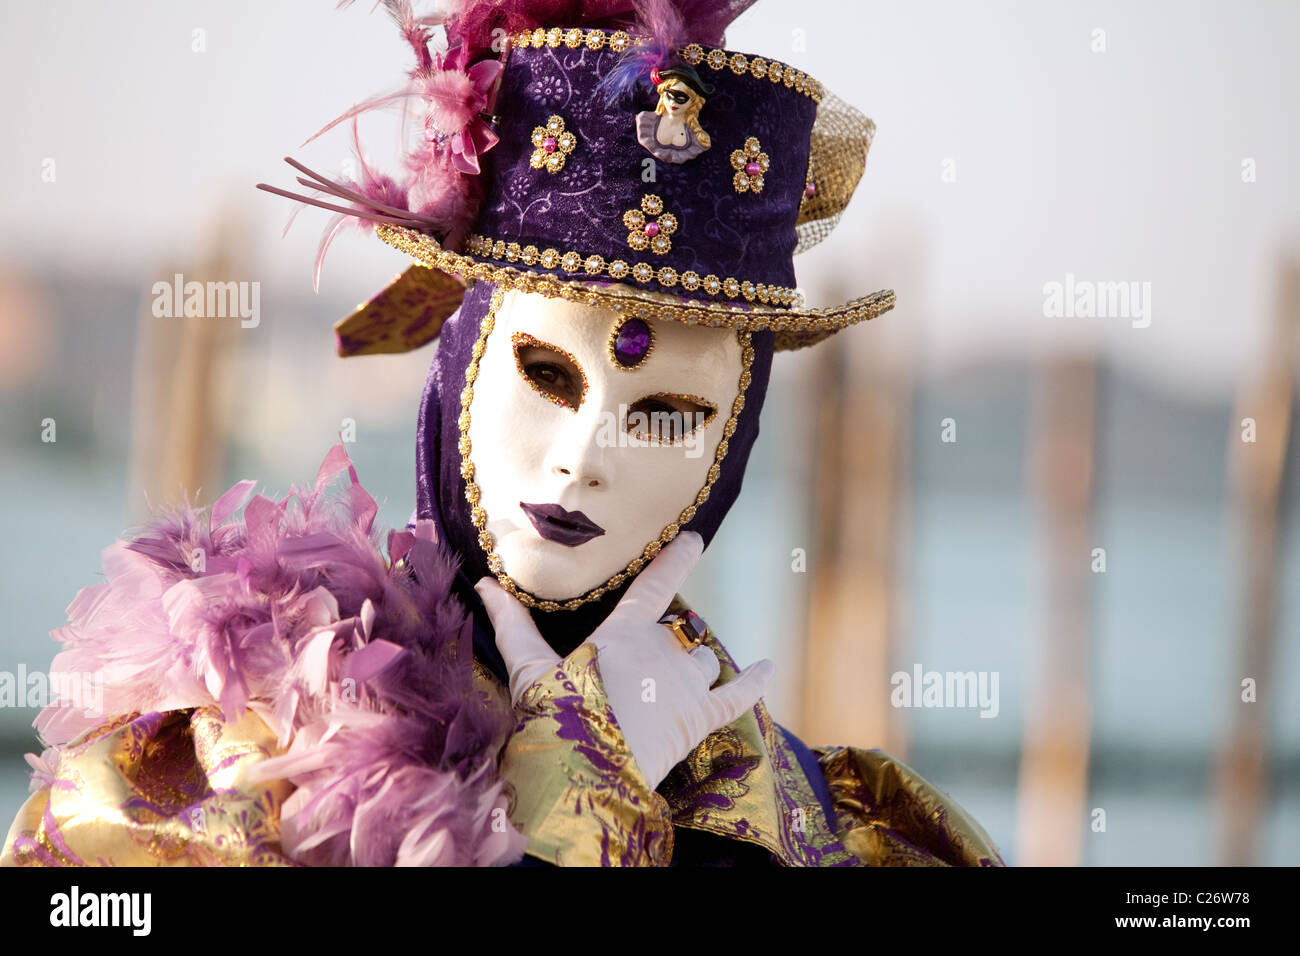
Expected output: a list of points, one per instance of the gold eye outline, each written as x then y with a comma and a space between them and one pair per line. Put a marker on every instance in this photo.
473, 493
523, 340
651, 439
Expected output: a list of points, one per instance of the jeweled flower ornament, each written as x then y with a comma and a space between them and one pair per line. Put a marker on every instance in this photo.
646, 233
750, 164
552, 145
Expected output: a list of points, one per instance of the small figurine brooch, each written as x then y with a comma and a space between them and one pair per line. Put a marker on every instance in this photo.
673, 132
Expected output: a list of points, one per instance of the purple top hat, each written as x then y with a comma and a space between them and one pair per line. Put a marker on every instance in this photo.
714, 216
616, 156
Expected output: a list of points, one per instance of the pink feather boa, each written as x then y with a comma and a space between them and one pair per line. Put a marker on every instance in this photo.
361, 668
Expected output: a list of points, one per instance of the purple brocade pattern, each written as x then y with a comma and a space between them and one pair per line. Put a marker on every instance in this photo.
573, 723
720, 232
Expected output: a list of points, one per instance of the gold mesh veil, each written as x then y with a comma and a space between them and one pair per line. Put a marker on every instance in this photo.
841, 137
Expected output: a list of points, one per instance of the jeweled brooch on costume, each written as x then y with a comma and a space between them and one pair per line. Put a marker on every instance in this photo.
673, 132
646, 233
630, 343
750, 164
552, 145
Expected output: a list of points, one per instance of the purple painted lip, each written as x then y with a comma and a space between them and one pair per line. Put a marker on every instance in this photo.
569, 528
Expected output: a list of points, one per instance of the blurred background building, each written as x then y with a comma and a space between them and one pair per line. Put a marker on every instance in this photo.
929, 490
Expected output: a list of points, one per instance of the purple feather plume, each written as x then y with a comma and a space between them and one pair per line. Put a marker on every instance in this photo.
361, 667
660, 21
665, 27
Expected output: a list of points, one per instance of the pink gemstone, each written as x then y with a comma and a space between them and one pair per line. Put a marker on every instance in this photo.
812, 188
753, 169
549, 144
652, 229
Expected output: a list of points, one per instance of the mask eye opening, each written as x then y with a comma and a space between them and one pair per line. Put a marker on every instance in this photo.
667, 418
550, 371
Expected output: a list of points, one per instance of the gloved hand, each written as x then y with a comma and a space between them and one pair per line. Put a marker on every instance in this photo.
658, 690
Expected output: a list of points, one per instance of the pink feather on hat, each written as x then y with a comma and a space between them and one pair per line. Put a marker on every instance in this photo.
449, 96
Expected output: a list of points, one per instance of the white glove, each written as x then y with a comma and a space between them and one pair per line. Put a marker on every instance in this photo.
658, 690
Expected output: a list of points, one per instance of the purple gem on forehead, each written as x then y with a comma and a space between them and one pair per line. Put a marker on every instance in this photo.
631, 342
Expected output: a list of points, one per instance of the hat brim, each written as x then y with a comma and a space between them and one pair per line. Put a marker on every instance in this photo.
794, 327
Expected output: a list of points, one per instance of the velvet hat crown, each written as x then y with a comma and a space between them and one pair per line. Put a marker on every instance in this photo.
607, 153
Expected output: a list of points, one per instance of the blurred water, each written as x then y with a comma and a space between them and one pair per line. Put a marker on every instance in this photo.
13, 786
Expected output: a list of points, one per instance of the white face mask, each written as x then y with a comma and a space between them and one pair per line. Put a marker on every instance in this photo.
575, 481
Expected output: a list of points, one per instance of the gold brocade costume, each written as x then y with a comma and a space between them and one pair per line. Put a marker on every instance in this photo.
160, 789
126, 792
